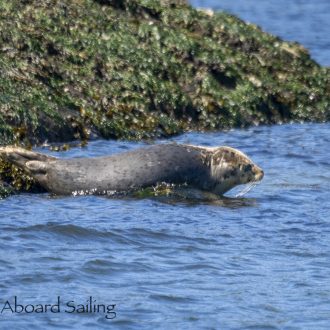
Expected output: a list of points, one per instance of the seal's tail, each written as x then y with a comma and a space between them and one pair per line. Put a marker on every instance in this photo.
25, 159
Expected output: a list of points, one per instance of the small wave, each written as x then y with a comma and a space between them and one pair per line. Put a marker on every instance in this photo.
171, 298
78, 232
294, 230
314, 186
198, 266
104, 266
164, 236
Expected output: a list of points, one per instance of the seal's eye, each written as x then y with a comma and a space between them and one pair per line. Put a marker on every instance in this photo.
248, 168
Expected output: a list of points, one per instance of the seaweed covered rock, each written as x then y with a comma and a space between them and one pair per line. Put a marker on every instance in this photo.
145, 68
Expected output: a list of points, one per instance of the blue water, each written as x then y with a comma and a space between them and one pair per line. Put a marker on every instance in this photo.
305, 21
259, 262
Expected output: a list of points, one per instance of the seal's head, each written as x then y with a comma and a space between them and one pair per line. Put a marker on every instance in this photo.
230, 167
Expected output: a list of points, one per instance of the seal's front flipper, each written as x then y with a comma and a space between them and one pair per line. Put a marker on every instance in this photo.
36, 167
30, 161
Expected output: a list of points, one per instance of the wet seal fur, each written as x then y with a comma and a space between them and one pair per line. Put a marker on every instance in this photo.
216, 170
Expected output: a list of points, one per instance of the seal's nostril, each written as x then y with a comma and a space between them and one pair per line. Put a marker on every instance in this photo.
259, 175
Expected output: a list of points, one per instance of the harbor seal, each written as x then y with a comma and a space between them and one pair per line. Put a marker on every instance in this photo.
216, 170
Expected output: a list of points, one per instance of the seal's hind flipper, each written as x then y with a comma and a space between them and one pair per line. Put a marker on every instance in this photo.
25, 159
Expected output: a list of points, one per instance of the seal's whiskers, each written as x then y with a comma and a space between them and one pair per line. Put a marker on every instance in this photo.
247, 188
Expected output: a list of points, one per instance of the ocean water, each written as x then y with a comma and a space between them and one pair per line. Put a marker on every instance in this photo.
257, 262
261, 261
305, 21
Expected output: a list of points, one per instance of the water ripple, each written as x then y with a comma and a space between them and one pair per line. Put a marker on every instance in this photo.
256, 262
